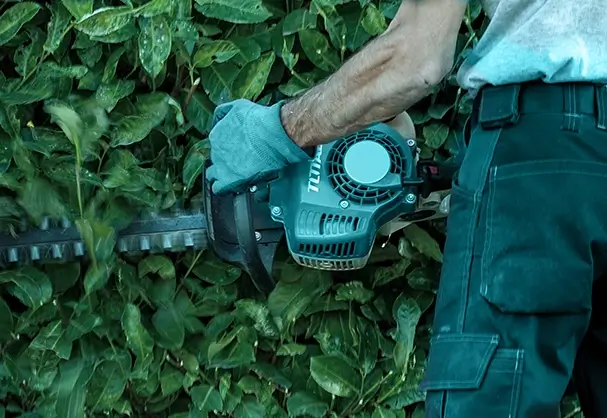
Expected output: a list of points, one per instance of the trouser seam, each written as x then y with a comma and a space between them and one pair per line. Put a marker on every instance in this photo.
480, 175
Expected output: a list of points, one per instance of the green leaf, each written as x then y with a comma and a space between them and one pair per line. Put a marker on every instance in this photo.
109, 94
249, 408
7, 324
151, 111
107, 385
78, 8
291, 349
435, 134
318, 50
234, 11
169, 324
171, 380
335, 375
385, 275
217, 81
57, 27
303, 404
260, 314
298, 19
99, 239
194, 163
71, 387
421, 240
104, 21
406, 312
154, 42
138, 339
373, 21
251, 80
28, 284
215, 51
288, 301
13, 19
63, 276
157, 264
381, 412
156, 8
354, 291
206, 398
212, 270
97, 276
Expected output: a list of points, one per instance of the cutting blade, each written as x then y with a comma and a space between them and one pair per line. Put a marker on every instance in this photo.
173, 232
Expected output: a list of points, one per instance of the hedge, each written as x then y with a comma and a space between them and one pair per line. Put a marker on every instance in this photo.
105, 108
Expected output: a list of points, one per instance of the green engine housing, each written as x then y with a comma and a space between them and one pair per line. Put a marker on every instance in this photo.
333, 206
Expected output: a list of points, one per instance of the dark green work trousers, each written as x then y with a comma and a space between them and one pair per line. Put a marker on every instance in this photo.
522, 305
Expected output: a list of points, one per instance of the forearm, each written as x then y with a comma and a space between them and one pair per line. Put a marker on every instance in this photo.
386, 77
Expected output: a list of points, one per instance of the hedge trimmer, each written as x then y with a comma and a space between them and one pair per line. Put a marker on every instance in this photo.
329, 211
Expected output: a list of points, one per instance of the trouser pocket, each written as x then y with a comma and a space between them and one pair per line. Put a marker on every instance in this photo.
541, 220
469, 376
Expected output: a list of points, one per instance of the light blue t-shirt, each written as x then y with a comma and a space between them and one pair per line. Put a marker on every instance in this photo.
550, 40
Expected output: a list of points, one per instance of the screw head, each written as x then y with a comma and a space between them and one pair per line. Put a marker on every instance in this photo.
276, 211
411, 143
253, 189
344, 204
410, 198
257, 236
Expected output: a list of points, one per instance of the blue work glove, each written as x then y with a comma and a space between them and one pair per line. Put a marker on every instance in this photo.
248, 145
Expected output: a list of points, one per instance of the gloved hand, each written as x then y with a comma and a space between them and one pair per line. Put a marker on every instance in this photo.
248, 145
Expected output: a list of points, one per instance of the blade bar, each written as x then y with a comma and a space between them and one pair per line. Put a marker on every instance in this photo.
173, 232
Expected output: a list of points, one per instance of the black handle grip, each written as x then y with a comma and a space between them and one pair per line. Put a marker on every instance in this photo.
437, 176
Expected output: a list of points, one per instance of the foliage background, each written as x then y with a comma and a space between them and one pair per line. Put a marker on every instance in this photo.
105, 107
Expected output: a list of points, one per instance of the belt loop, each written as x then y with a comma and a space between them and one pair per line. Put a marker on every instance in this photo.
571, 118
499, 106
601, 106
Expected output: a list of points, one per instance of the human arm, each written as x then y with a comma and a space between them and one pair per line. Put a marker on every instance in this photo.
387, 76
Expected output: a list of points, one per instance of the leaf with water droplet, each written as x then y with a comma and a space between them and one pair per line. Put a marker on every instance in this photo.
318, 50
252, 79
297, 20
194, 163
78, 8
108, 94
13, 19
214, 51
57, 26
373, 21
154, 44
29, 285
234, 11
105, 20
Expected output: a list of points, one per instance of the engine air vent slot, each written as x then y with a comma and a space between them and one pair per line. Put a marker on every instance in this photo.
331, 224
336, 249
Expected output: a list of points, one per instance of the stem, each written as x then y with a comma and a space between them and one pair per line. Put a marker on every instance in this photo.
386, 396
193, 88
78, 187
576, 411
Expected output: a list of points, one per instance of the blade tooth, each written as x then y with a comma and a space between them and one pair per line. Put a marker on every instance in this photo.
79, 249
123, 245
167, 241
13, 255
44, 223
65, 222
56, 251
35, 253
144, 243
188, 239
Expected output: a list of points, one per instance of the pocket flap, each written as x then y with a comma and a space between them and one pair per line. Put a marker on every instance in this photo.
459, 361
